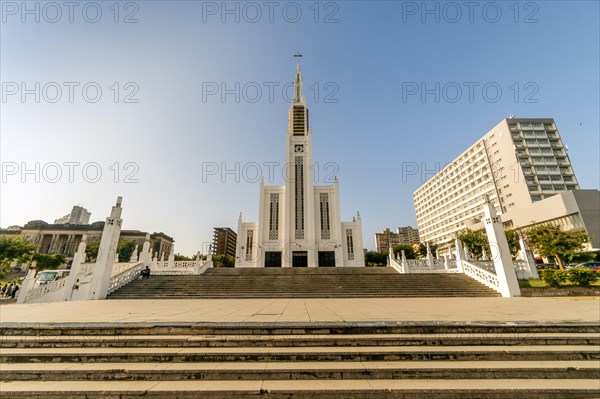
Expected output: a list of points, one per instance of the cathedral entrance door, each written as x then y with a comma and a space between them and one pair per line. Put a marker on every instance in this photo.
299, 259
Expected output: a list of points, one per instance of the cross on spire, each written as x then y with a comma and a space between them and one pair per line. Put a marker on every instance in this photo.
298, 98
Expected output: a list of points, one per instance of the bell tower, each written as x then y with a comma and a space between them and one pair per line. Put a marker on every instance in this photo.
300, 229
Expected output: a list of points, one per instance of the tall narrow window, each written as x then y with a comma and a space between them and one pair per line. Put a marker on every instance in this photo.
249, 238
350, 244
299, 185
274, 217
324, 203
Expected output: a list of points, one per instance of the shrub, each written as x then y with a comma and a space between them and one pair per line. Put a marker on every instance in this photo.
583, 277
554, 278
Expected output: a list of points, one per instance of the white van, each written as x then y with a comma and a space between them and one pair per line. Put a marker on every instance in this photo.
47, 276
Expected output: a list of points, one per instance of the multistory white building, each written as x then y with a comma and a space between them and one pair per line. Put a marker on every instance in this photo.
299, 223
518, 164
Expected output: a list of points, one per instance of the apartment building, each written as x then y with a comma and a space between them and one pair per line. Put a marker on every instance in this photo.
518, 163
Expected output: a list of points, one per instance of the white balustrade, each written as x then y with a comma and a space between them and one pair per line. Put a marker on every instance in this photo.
178, 267
487, 265
483, 276
127, 275
45, 289
398, 266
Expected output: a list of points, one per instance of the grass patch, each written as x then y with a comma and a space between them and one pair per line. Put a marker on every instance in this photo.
537, 283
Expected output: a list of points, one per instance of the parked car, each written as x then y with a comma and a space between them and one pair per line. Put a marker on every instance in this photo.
546, 266
47, 276
589, 265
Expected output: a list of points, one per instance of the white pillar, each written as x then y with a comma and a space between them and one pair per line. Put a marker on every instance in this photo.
528, 257
78, 259
505, 269
446, 262
106, 253
404, 262
459, 255
134, 255
209, 256
466, 254
27, 285
484, 255
172, 258
146, 255
429, 256
198, 263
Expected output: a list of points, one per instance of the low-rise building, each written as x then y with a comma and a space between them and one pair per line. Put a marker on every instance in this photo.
64, 239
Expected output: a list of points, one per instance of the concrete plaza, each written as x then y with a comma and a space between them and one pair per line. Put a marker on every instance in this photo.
536, 310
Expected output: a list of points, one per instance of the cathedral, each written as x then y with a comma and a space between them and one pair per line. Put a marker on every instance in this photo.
299, 222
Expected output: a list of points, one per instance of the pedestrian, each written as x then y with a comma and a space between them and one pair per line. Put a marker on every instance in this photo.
146, 272
14, 290
8, 291
3, 290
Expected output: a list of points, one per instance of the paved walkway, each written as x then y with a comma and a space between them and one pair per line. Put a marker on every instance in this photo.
574, 309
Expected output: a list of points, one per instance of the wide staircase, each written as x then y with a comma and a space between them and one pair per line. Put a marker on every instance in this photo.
363, 282
300, 360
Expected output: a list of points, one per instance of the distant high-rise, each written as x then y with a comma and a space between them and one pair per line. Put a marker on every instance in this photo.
386, 239
405, 236
224, 240
408, 235
78, 215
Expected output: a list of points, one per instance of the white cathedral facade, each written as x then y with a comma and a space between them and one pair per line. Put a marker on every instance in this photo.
299, 223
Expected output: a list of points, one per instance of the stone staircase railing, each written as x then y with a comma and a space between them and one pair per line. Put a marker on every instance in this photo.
398, 266
482, 275
179, 267
125, 276
46, 289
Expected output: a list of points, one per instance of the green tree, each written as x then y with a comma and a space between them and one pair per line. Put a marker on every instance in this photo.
225, 260
512, 236
125, 248
551, 241
91, 250
422, 253
183, 257
374, 258
13, 248
45, 261
476, 242
408, 251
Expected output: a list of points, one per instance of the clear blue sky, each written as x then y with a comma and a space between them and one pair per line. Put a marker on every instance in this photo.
543, 56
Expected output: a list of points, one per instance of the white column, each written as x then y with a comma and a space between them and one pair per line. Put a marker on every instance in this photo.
78, 259
209, 256
106, 253
459, 255
198, 263
134, 255
172, 258
505, 269
146, 255
429, 256
446, 262
359, 250
404, 262
27, 285
528, 257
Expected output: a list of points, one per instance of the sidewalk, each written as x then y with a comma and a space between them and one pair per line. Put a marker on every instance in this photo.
537, 310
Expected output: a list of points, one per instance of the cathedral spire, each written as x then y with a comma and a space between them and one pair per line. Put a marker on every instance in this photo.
298, 97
